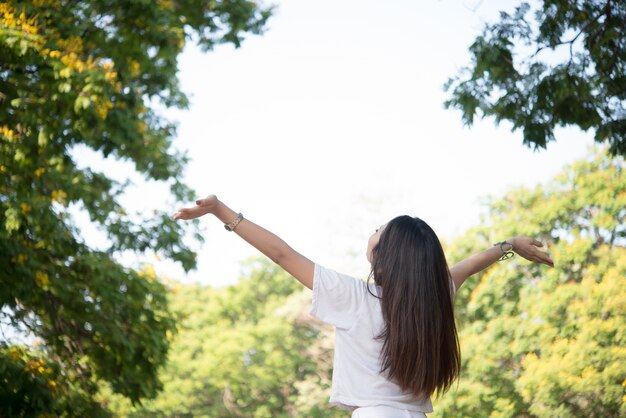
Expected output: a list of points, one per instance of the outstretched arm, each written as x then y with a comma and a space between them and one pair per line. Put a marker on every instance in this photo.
263, 240
524, 246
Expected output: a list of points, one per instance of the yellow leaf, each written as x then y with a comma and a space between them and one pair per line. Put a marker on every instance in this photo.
41, 279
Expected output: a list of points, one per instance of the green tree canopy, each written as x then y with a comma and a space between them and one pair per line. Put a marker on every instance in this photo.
91, 74
540, 342
559, 64
247, 350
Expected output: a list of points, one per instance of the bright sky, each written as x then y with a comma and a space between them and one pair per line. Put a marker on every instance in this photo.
332, 122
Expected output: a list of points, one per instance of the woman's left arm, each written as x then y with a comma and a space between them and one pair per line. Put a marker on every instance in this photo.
260, 238
523, 246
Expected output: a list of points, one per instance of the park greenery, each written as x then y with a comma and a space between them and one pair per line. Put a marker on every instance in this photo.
536, 341
107, 339
93, 75
555, 63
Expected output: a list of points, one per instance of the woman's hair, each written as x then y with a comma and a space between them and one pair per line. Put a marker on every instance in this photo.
420, 343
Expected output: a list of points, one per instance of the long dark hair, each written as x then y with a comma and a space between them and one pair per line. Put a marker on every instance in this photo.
420, 343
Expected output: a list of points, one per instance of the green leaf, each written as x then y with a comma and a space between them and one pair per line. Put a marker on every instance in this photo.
81, 103
23, 47
42, 139
65, 87
12, 222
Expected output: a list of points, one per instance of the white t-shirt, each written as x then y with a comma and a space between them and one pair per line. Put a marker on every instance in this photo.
345, 303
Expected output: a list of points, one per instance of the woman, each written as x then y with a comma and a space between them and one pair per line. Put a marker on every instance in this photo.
396, 342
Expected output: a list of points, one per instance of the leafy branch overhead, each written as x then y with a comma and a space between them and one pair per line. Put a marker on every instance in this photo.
561, 64
91, 74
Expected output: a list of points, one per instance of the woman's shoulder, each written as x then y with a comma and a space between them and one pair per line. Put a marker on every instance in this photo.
329, 274
332, 279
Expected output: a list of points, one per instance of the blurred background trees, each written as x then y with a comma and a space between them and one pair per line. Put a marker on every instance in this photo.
103, 338
536, 342
91, 74
555, 63
540, 342
248, 350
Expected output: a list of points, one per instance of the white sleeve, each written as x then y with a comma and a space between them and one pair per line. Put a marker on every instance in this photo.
337, 298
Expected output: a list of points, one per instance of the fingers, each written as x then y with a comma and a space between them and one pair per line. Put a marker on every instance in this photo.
549, 261
528, 248
185, 214
542, 257
179, 214
202, 208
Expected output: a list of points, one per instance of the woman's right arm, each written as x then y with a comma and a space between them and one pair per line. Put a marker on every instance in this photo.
260, 238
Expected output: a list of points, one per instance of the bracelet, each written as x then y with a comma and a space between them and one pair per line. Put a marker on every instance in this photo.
231, 226
506, 254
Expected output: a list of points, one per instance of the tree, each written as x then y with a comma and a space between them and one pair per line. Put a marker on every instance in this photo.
567, 67
247, 350
91, 74
545, 343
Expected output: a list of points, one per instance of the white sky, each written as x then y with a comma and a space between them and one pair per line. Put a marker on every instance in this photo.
332, 122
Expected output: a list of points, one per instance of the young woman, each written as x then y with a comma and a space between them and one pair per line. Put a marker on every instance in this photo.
396, 342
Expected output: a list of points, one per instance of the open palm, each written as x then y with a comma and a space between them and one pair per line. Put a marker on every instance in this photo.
203, 207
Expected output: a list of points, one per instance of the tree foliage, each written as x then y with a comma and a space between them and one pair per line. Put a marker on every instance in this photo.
536, 342
567, 66
545, 343
248, 350
92, 74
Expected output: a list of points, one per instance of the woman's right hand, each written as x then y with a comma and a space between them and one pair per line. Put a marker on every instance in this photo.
529, 249
203, 206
